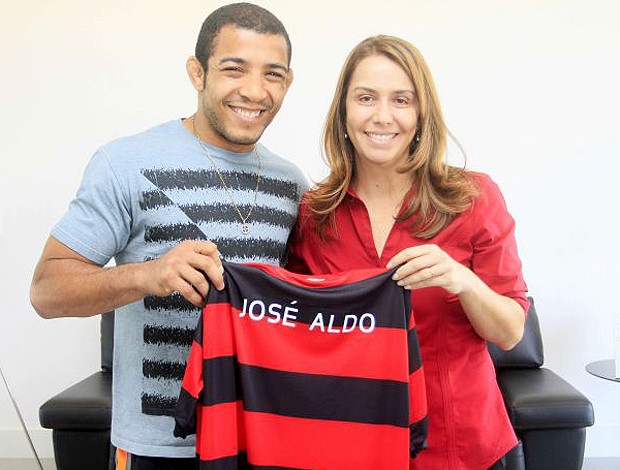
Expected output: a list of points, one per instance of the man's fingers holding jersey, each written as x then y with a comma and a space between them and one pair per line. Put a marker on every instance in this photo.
189, 283
210, 263
209, 249
204, 257
193, 275
185, 265
205, 247
187, 290
214, 272
202, 247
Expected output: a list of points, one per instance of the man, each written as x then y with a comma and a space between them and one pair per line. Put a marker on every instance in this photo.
165, 203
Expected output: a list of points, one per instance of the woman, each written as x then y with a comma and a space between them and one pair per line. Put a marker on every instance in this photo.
391, 199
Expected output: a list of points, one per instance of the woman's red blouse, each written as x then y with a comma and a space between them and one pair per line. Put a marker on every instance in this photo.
469, 428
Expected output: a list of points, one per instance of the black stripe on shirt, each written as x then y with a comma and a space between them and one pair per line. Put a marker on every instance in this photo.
228, 247
225, 213
415, 360
175, 301
163, 370
158, 405
417, 436
280, 188
307, 395
235, 462
240, 248
219, 212
250, 248
198, 332
184, 179
154, 199
168, 335
172, 233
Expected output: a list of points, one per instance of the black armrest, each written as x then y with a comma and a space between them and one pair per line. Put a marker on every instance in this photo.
540, 399
86, 405
528, 353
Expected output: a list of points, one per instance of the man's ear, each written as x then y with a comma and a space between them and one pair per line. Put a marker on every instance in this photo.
196, 73
289, 78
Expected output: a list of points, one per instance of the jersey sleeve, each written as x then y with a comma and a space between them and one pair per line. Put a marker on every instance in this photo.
418, 408
97, 223
191, 387
495, 257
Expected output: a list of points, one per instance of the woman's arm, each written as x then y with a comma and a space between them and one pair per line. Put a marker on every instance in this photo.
495, 317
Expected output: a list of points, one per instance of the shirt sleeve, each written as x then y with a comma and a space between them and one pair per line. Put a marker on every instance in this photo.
97, 224
495, 257
191, 388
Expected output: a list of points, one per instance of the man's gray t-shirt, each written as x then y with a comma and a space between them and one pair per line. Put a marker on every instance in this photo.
141, 196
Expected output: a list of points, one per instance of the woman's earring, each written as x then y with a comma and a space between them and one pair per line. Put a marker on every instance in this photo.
414, 145
346, 136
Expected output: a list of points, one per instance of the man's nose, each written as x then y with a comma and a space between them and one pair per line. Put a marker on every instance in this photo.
253, 88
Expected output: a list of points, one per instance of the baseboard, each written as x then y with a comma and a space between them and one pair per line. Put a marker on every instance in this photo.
14, 445
603, 440
601, 463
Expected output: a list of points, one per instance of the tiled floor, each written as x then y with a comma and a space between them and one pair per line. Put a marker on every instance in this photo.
601, 464
26, 464
48, 464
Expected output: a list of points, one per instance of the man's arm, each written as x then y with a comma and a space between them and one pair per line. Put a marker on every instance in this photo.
66, 284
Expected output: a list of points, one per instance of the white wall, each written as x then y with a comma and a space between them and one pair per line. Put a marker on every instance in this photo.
529, 87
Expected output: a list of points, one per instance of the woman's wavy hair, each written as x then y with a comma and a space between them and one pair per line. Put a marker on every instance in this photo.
439, 191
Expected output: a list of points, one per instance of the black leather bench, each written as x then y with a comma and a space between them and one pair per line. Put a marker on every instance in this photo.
549, 415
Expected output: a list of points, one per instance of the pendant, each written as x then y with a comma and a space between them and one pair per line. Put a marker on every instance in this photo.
245, 229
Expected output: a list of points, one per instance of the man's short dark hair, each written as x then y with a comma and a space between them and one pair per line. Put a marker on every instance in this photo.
241, 15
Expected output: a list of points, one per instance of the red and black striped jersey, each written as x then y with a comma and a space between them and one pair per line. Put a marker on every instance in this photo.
293, 371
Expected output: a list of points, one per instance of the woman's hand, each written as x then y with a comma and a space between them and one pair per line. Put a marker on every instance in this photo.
430, 266
494, 317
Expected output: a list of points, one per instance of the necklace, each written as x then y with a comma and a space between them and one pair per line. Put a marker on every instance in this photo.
244, 226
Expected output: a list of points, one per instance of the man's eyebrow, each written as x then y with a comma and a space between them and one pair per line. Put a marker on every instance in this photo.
240, 61
236, 60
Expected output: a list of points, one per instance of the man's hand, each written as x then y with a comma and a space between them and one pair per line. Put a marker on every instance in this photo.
183, 269
66, 284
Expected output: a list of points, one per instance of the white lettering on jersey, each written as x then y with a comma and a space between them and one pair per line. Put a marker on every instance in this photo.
286, 315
